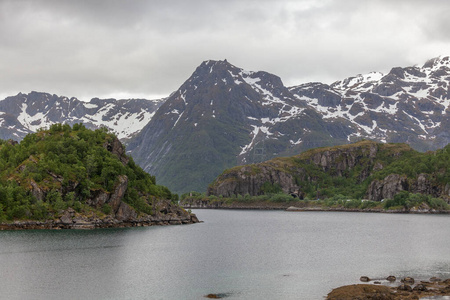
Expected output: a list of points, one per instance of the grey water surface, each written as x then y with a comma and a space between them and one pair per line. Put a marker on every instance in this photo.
240, 254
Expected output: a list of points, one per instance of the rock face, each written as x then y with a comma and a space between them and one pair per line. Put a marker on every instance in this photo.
246, 181
116, 148
387, 188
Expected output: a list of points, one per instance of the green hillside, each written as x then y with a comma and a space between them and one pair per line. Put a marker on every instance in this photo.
64, 167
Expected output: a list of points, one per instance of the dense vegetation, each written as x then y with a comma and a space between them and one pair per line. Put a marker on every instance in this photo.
63, 167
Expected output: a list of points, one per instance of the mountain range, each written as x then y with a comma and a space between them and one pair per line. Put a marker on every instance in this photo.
223, 116
26, 113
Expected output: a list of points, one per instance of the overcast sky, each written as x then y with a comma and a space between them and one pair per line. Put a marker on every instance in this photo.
137, 48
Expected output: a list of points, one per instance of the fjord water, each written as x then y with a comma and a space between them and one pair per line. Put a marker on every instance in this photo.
240, 254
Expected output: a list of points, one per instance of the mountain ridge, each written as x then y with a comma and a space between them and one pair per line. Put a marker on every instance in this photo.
25, 113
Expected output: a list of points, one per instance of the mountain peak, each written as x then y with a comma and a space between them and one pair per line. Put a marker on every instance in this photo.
357, 80
437, 63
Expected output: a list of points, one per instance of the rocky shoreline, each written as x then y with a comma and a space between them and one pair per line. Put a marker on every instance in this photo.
391, 289
294, 206
72, 220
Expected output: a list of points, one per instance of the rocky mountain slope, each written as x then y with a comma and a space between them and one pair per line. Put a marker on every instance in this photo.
366, 169
25, 113
224, 116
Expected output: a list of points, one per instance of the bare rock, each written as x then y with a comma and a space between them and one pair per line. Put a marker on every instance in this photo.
115, 147
125, 212
118, 193
408, 280
36, 191
391, 278
194, 218
435, 279
66, 218
361, 291
405, 287
387, 188
99, 199
420, 287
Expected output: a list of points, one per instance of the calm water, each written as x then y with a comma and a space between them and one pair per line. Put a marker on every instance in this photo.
243, 254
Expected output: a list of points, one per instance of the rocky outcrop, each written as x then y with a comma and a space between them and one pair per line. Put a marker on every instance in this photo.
247, 180
125, 212
114, 199
341, 160
119, 191
387, 188
394, 183
115, 147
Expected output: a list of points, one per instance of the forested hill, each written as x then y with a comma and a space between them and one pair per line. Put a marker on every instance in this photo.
68, 174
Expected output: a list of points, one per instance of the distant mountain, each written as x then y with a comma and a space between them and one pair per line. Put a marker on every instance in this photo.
224, 116
408, 105
25, 113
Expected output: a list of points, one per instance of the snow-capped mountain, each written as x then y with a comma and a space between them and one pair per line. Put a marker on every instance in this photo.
407, 105
25, 113
224, 116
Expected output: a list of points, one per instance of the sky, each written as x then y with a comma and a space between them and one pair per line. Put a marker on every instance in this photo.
147, 49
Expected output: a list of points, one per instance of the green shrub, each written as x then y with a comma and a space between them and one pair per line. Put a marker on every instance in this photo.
106, 209
270, 188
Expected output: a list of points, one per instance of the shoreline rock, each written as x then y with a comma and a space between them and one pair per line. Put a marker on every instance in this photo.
292, 206
73, 222
408, 288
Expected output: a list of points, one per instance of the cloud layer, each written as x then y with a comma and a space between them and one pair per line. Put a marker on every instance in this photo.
141, 48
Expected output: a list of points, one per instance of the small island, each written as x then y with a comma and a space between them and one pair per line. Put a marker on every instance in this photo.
72, 177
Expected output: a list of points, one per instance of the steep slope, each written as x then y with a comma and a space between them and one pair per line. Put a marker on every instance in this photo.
366, 169
223, 116
25, 113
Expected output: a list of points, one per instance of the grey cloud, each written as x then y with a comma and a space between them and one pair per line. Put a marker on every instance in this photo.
94, 48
